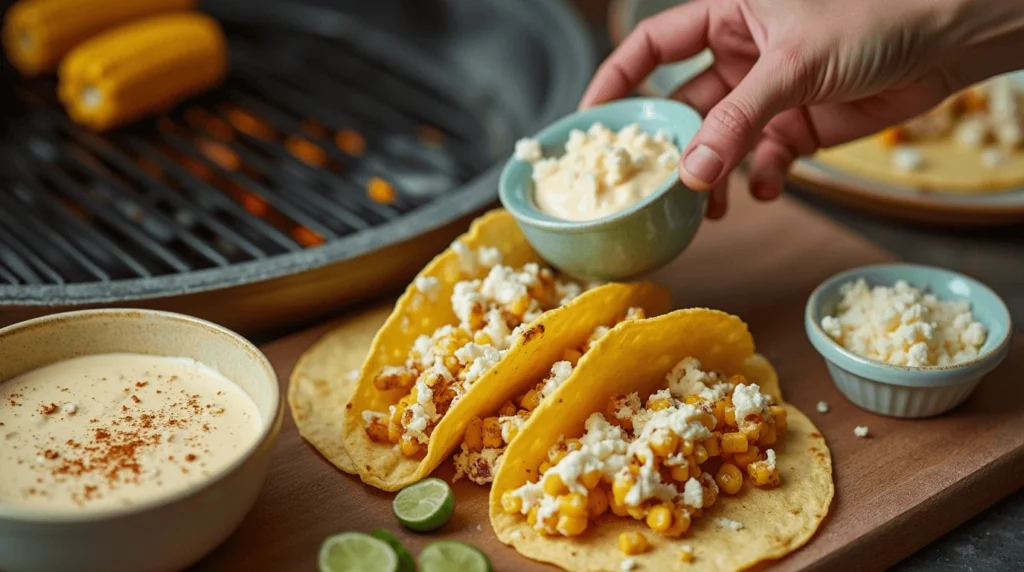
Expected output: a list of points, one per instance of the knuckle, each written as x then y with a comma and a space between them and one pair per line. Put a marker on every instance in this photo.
731, 119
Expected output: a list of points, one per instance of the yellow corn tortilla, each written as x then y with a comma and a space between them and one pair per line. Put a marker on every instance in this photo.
325, 377
529, 359
948, 166
636, 357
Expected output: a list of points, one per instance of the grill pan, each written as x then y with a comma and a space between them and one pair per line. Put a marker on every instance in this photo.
249, 206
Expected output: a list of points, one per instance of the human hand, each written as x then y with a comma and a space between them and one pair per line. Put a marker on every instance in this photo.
793, 76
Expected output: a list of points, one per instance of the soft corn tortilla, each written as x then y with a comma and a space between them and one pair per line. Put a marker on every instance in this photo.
948, 167
636, 356
324, 379
528, 360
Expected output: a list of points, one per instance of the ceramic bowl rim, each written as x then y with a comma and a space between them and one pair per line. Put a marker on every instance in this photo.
268, 431
906, 376
525, 211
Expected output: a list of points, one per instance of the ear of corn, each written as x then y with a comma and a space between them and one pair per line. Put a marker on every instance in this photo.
38, 33
142, 68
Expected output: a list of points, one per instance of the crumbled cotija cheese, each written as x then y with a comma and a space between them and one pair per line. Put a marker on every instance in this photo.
903, 325
860, 431
602, 172
822, 407
727, 523
429, 286
628, 564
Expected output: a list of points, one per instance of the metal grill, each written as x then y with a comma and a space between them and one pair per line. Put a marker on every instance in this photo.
311, 140
334, 161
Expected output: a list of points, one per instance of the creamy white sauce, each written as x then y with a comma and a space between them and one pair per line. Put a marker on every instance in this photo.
110, 430
602, 172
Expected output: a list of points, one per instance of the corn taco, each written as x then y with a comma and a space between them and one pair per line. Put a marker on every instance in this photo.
669, 443
479, 326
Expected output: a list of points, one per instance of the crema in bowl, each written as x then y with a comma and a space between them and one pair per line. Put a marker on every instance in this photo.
602, 172
114, 430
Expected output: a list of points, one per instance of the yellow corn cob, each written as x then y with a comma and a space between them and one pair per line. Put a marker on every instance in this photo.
140, 68
37, 33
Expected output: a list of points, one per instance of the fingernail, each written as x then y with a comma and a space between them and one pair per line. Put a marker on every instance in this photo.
703, 163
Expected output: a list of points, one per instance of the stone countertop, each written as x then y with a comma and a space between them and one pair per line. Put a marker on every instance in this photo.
993, 540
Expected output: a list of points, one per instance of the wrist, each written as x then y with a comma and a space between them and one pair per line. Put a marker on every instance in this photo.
984, 37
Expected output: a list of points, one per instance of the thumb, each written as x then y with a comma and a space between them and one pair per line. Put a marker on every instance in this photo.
733, 125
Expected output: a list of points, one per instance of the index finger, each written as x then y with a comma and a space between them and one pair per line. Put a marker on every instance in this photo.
673, 35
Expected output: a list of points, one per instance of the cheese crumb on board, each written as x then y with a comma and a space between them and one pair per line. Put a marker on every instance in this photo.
860, 431
822, 407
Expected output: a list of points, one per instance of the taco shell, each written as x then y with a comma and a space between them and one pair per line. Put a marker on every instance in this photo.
526, 361
635, 357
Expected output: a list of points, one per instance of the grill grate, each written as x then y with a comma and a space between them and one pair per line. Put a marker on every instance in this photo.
311, 140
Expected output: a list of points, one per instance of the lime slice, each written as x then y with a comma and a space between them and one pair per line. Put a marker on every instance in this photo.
405, 561
424, 506
356, 552
452, 556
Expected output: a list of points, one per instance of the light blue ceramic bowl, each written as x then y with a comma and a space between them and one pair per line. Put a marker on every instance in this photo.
901, 391
641, 238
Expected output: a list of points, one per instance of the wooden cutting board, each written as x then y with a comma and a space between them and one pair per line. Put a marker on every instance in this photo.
901, 488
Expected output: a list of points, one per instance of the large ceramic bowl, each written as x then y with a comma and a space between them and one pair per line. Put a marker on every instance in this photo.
169, 533
903, 391
638, 239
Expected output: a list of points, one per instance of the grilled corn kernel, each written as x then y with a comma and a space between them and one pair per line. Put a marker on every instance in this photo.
591, 479
680, 473
474, 437
507, 409
557, 456
763, 475
531, 516
658, 404
572, 356
729, 479
700, 454
730, 416
659, 518
779, 415
620, 487
492, 433
719, 412
709, 421
544, 467
713, 445
618, 509
377, 431
710, 491
142, 68
554, 486
680, 523
637, 512
573, 504
409, 447
665, 443
632, 543
597, 503
573, 444
768, 435
38, 33
686, 447
520, 306
530, 400
511, 502
735, 443
743, 459
893, 136
686, 554
394, 431
571, 525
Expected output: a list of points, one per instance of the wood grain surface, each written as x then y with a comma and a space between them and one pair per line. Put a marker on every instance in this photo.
904, 486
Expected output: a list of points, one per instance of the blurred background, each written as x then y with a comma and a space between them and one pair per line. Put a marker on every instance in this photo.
343, 146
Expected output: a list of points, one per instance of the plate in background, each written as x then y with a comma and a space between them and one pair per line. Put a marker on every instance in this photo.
903, 202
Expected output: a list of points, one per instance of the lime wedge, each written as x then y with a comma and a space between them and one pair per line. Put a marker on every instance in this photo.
405, 561
452, 556
424, 506
356, 552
